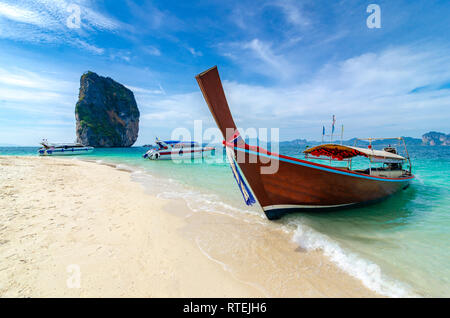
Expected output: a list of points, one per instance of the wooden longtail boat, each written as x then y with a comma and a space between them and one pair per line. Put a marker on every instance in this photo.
302, 185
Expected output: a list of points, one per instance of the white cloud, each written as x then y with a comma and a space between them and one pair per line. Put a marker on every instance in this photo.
264, 52
152, 50
25, 79
14, 94
89, 47
262, 56
194, 52
292, 12
365, 92
173, 107
97, 20
18, 14
147, 17
370, 94
46, 21
31, 134
56, 10
251, 18
123, 55
143, 91
28, 92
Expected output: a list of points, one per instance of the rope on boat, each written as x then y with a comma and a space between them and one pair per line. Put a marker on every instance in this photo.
246, 193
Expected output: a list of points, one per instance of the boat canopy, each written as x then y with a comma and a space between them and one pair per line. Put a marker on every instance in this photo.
175, 143
46, 144
341, 152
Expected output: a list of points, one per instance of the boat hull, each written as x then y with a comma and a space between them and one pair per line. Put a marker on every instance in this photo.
65, 152
182, 155
300, 185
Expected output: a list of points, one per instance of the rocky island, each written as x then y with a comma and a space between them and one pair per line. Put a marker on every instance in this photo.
434, 138
106, 113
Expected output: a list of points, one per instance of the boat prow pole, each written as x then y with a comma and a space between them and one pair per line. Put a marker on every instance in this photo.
212, 89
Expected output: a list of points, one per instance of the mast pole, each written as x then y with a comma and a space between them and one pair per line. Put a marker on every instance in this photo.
407, 154
370, 159
332, 128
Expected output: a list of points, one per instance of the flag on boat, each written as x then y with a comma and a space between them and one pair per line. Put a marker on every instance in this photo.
323, 130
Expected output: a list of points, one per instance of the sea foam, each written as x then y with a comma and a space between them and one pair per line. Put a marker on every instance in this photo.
367, 272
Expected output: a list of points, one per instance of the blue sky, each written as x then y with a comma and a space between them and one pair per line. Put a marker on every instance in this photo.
285, 64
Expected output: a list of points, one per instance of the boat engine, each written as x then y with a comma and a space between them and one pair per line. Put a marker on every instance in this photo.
152, 154
390, 149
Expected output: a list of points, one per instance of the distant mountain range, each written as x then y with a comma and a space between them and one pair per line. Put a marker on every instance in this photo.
431, 138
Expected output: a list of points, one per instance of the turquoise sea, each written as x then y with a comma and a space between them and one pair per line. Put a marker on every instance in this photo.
399, 247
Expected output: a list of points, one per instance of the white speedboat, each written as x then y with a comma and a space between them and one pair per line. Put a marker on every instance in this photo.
177, 150
49, 149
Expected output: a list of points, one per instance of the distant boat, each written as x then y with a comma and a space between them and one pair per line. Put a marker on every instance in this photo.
177, 150
52, 149
303, 185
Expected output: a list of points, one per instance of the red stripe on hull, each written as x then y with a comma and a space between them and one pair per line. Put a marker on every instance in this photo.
175, 152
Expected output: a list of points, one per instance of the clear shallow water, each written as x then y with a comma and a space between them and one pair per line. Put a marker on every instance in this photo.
400, 247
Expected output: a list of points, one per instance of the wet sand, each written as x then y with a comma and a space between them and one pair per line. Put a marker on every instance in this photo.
70, 228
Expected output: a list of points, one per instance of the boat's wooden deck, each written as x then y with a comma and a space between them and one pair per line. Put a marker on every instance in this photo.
380, 172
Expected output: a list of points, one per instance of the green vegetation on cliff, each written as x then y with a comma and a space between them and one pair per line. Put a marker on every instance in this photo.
106, 113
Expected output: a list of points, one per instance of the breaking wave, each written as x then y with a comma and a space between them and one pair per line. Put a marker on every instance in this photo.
367, 272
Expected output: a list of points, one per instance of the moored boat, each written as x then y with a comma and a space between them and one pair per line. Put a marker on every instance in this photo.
177, 150
302, 184
70, 149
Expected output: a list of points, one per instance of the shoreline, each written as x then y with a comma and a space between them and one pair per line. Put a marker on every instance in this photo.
127, 242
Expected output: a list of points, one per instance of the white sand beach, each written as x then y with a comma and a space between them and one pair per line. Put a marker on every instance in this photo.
70, 228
